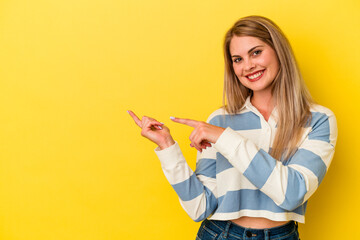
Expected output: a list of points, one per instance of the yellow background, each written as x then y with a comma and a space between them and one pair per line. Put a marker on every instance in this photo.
73, 164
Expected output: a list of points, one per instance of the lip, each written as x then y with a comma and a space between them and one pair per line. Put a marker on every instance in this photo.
255, 79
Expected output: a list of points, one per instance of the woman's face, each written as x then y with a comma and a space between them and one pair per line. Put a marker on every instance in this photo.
255, 63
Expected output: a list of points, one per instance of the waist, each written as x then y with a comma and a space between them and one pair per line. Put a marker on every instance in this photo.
269, 233
257, 222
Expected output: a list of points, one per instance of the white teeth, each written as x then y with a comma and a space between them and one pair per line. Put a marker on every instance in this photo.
255, 75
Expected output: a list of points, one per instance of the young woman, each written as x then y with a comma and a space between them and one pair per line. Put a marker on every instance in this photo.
263, 154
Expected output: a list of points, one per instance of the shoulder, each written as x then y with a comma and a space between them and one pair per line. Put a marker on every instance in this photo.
316, 108
323, 122
242, 120
321, 113
216, 114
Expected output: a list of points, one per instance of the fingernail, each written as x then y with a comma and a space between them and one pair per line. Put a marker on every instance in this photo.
128, 111
172, 118
160, 127
162, 123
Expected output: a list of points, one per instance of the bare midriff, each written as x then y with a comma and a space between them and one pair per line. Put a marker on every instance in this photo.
256, 222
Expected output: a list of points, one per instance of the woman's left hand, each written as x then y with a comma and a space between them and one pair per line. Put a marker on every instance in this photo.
203, 134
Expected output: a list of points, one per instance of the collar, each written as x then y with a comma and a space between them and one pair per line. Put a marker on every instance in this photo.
248, 105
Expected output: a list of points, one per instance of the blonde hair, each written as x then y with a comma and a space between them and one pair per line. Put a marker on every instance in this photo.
291, 96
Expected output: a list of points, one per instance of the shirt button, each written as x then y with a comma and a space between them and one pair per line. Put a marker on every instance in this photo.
248, 234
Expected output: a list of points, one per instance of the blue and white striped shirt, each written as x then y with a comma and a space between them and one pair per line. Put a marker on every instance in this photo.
238, 177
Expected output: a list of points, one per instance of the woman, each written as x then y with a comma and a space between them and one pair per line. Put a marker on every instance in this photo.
263, 154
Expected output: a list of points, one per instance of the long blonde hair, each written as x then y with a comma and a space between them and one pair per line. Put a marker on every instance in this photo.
288, 88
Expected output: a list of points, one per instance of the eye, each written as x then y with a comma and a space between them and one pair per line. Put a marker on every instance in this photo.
236, 60
257, 52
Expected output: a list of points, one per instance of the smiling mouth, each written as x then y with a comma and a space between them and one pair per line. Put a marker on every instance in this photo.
255, 76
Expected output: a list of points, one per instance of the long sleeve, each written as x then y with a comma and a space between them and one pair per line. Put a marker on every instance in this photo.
288, 184
196, 190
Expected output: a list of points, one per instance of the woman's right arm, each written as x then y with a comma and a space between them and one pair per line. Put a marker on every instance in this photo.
196, 190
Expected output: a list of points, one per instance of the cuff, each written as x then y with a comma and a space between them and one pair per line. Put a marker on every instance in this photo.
170, 156
228, 142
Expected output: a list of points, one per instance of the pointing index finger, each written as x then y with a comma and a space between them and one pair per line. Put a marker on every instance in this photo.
136, 119
189, 122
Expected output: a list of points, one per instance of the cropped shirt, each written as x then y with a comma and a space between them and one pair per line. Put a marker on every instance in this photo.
238, 177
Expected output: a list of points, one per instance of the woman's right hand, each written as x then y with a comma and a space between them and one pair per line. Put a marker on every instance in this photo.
153, 130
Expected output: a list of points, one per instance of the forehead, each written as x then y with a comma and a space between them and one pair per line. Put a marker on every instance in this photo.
241, 45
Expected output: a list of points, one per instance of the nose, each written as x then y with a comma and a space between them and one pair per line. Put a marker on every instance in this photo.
249, 65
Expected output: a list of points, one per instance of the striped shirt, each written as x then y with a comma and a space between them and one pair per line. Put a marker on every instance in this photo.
238, 177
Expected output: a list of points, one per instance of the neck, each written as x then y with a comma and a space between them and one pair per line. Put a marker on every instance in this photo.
263, 102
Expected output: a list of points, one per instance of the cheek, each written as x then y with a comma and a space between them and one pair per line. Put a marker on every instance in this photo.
270, 59
266, 60
238, 70
276, 67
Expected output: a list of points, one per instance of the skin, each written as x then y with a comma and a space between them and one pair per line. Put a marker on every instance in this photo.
201, 137
260, 57
250, 55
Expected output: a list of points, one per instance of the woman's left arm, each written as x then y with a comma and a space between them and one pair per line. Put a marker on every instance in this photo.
287, 185
292, 184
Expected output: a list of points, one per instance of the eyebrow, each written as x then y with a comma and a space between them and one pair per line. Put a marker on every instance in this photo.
249, 50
